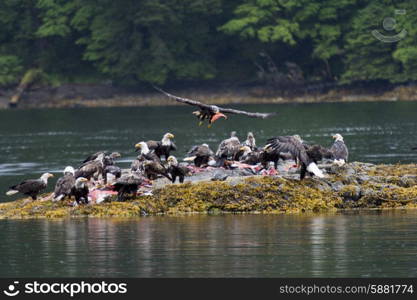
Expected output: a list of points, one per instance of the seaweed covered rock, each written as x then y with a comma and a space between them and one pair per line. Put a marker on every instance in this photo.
356, 185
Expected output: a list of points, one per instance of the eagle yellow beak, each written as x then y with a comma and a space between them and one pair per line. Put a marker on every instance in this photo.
242, 148
138, 146
50, 175
171, 136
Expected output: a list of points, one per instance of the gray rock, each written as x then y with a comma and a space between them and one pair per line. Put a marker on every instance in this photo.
363, 178
219, 176
337, 186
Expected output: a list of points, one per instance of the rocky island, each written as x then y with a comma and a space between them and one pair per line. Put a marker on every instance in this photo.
353, 186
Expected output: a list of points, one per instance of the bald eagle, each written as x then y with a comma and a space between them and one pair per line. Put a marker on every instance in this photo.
228, 149
200, 155
127, 184
177, 170
80, 190
91, 168
31, 187
339, 150
294, 145
213, 112
248, 156
163, 147
113, 170
146, 153
154, 168
64, 184
137, 164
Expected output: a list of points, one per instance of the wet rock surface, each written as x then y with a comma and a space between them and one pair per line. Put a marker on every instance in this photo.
355, 185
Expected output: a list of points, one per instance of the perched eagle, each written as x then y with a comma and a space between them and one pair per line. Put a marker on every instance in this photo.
163, 147
294, 145
248, 156
127, 184
154, 168
113, 170
200, 155
91, 168
250, 141
146, 153
30, 187
64, 184
339, 150
177, 170
228, 149
80, 190
213, 112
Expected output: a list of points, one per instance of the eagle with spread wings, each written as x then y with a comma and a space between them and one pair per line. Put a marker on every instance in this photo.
213, 112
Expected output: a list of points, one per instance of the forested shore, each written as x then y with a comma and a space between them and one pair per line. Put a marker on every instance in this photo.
269, 49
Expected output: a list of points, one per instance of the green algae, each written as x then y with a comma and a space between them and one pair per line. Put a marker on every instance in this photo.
361, 186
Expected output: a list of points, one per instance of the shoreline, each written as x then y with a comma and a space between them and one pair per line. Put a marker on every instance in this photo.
77, 95
353, 187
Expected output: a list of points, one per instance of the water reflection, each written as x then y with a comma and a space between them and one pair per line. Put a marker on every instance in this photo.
214, 246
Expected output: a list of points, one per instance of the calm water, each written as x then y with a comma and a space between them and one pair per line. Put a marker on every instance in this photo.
370, 245
36, 141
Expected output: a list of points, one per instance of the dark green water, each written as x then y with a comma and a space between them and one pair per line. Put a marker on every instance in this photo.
36, 141
369, 245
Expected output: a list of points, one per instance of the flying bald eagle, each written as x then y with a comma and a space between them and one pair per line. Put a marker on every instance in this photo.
339, 150
213, 112
294, 145
64, 184
30, 187
163, 147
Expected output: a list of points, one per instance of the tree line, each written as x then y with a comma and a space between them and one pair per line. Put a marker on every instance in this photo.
171, 41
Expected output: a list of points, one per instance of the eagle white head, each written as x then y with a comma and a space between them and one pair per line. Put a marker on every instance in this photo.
69, 170
172, 161
46, 176
215, 109
298, 138
80, 182
246, 150
338, 137
143, 147
166, 139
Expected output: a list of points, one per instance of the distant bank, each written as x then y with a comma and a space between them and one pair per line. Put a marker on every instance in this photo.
106, 95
